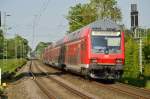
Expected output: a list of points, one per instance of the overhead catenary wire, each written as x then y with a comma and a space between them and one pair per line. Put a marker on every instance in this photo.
36, 19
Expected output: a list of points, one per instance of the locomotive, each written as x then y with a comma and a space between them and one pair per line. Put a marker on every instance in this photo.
95, 51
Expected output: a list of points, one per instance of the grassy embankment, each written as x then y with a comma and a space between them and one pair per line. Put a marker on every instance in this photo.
132, 73
140, 80
147, 75
12, 64
10, 69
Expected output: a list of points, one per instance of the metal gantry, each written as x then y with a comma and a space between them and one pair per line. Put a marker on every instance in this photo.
139, 36
5, 41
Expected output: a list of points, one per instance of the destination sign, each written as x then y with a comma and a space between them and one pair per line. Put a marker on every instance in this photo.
105, 33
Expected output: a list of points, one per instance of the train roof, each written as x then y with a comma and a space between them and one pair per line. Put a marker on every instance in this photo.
105, 25
101, 25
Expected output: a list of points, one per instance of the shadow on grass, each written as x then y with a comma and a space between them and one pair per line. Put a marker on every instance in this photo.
3, 97
139, 82
12, 77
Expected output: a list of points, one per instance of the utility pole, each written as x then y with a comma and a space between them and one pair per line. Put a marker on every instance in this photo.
5, 41
34, 28
0, 19
136, 33
140, 55
16, 53
0, 67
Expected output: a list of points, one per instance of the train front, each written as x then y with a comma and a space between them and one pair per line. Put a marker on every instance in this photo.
107, 52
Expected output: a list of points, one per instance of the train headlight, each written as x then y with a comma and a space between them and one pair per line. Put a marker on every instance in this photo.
119, 61
93, 60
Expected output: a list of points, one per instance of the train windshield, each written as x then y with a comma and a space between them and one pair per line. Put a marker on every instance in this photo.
106, 42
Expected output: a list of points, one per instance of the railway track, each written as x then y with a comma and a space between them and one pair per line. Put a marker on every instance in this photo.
133, 93
145, 92
68, 86
40, 85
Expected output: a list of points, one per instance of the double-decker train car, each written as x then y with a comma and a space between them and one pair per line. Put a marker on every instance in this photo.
96, 51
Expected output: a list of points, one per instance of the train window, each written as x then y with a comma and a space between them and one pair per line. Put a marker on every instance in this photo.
102, 41
113, 41
83, 45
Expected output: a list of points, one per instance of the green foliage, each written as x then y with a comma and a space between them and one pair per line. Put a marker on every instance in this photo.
15, 45
128, 35
146, 52
148, 84
11, 64
134, 81
131, 69
146, 48
83, 14
147, 70
1, 90
80, 15
107, 9
40, 47
1, 43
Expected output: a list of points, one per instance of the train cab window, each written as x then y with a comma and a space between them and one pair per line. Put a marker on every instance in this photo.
104, 40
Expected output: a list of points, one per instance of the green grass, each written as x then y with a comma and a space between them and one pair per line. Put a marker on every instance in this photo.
133, 77
134, 81
11, 64
147, 70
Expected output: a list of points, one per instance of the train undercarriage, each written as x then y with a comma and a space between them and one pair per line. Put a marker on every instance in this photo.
104, 71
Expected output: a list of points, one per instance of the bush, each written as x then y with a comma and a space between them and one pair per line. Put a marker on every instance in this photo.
10, 69
148, 84
12, 64
1, 90
147, 70
134, 81
131, 69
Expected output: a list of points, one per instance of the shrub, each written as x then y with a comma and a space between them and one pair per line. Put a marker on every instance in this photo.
147, 70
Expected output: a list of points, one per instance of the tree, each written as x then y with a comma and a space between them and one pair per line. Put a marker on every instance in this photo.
17, 47
107, 9
131, 69
80, 15
146, 48
40, 47
83, 14
11, 48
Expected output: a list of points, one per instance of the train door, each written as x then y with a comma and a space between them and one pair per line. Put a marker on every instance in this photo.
61, 59
79, 54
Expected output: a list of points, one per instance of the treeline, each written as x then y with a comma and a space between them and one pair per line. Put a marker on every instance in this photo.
40, 48
83, 14
132, 66
17, 47
132, 74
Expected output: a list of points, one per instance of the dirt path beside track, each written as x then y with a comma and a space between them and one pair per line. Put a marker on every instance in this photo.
25, 88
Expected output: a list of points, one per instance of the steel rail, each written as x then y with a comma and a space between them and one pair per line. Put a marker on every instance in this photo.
77, 92
137, 96
44, 90
134, 88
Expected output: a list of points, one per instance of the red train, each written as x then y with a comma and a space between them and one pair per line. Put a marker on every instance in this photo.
96, 51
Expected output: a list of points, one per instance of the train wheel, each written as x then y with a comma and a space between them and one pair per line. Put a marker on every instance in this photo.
87, 77
85, 73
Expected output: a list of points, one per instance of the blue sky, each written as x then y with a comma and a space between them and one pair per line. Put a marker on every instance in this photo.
52, 25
